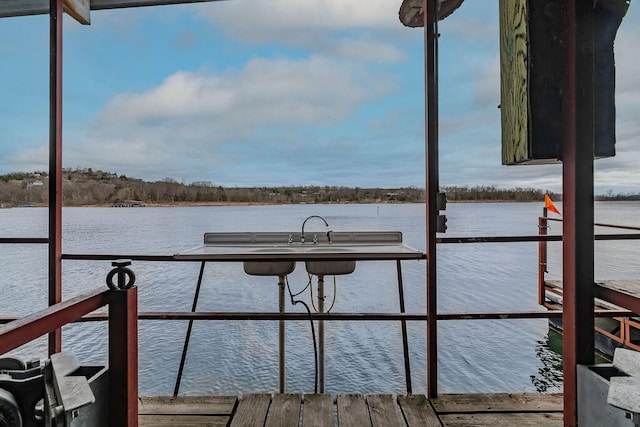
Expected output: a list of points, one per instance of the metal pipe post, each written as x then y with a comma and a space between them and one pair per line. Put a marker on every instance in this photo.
403, 323
321, 335
577, 206
542, 255
55, 164
281, 333
431, 131
187, 337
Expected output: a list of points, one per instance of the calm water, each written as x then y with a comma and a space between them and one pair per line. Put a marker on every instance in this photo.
365, 357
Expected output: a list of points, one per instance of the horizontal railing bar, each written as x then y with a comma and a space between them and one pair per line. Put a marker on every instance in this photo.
536, 238
239, 258
598, 224
366, 316
623, 227
28, 328
479, 239
499, 239
111, 257
187, 315
20, 240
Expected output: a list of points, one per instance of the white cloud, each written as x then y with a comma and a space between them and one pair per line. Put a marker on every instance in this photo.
257, 115
33, 159
181, 95
337, 27
252, 18
487, 91
265, 92
627, 52
367, 50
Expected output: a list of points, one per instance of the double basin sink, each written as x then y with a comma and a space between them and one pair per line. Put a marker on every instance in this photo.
276, 253
282, 268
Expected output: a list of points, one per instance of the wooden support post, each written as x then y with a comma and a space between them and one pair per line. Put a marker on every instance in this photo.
123, 358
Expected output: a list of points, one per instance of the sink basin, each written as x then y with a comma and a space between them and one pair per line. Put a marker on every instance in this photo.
330, 268
269, 268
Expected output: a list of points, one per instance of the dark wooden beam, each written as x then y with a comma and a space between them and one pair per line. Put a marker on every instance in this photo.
9, 8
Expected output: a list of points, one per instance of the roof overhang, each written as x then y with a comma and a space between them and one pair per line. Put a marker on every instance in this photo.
9, 8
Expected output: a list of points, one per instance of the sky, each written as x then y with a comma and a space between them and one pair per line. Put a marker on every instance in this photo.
279, 93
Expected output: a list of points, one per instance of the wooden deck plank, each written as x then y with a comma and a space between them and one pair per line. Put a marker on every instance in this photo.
384, 410
183, 420
556, 288
630, 287
284, 411
497, 419
188, 405
418, 412
498, 402
352, 411
317, 411
251, 411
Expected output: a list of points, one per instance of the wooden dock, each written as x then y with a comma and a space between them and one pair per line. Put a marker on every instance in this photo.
351, 410
608, 294
614, 295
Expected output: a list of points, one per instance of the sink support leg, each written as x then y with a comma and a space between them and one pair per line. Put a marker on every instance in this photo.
321, 334
405, 340
281, 349
183, 358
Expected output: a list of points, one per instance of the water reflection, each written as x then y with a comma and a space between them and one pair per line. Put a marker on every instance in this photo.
549, 351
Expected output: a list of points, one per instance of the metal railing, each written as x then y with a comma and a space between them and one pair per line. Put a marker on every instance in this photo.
123, 312
627, 327
122, 300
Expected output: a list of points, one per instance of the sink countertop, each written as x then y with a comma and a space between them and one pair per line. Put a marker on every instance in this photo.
268, 246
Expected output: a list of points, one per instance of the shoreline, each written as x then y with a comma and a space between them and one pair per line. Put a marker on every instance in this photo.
210, 204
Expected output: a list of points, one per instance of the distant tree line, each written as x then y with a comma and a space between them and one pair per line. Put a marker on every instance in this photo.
88, 187
483, 193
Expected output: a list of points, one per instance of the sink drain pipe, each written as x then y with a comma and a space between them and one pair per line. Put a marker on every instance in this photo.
313, 331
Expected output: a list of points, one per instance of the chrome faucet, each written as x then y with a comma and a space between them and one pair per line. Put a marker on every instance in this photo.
305, 221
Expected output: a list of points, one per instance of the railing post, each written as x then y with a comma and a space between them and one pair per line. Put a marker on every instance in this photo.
577, 200
432, 187
542, 255
55, 164
123, 347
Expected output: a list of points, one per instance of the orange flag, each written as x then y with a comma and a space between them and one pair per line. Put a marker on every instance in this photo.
549, 205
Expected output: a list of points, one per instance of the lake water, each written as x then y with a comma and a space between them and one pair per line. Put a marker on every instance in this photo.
362, 357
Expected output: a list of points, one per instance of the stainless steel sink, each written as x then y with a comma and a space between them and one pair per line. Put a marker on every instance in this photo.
330, 267
270, 268
275, 253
